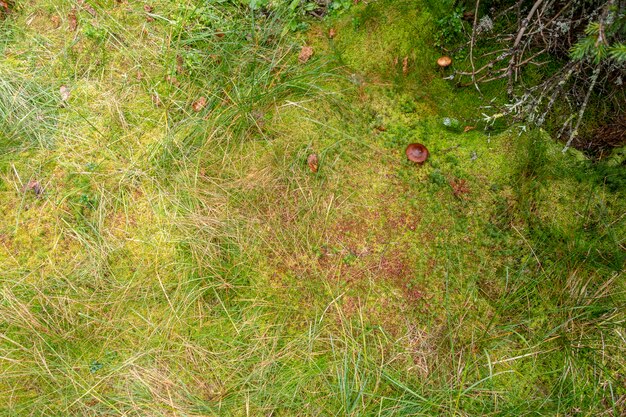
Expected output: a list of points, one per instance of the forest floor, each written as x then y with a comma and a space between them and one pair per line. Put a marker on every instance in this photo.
165, 249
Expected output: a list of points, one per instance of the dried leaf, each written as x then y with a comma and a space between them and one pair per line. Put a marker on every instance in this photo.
180, 64
199, 104
56, 21
459, 188
156, 100
35, 186
148, 9
468, 128
405, 65
172, 80
259, 118
90, 10
313, 162
5, 8
468, 15
65, 92
332, 33
305, 54
72, 20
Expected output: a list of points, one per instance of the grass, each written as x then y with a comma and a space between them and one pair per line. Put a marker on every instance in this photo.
188, 263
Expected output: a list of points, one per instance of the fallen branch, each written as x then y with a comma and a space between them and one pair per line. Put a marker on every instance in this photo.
581, 113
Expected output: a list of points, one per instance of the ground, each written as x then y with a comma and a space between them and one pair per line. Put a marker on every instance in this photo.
166, 250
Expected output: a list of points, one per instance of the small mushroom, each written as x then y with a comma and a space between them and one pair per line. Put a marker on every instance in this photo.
416, 152
444, 61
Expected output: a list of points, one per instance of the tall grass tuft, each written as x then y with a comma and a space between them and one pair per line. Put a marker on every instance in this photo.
28, 110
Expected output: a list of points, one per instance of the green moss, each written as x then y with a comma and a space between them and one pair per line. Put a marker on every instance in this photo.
377, 37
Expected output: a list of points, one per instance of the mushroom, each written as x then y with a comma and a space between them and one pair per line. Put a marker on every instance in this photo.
444, 61
416, 152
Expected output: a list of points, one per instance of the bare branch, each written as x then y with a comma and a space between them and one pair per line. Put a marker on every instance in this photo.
581, 113
472, 41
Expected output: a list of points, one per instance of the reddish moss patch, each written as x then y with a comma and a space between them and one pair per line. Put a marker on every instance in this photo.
395, 267
403, 221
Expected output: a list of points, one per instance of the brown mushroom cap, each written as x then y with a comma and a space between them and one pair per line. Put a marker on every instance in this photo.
416, 152
444, 61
